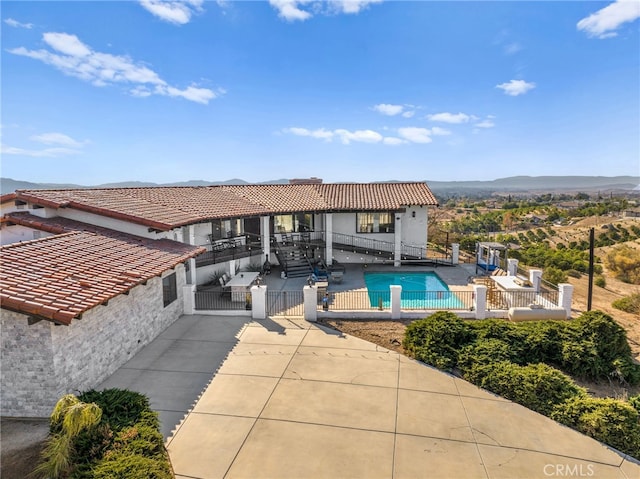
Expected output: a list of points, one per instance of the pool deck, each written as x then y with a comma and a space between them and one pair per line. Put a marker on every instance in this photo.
456, 277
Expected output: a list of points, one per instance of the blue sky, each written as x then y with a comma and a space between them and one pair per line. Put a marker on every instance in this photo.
96, 92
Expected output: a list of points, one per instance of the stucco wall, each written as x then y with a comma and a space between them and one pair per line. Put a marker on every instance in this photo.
17, 233
42, 362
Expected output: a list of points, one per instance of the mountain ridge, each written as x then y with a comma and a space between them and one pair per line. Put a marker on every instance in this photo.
507, 184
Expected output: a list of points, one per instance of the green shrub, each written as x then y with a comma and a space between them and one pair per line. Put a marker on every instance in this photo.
127, 443
474, 360
635, 402
123, 465
600, 281
120, 408
628, 304
574, 273
612, 421
436, 339
536, 386
554, 275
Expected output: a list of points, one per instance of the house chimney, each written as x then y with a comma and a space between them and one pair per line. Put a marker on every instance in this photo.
305, 181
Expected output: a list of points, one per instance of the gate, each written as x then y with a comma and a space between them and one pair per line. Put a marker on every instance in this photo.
285, 303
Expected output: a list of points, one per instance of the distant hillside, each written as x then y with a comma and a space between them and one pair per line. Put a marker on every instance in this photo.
523, 184
8, 185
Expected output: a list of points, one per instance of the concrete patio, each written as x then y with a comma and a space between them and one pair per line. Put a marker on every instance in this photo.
296, 400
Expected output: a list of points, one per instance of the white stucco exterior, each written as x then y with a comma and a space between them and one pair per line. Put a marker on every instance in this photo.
41, 362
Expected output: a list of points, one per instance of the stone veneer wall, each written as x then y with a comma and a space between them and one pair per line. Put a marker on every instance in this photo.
42, 362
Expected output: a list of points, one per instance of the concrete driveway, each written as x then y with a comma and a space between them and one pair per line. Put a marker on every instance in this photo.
297, 400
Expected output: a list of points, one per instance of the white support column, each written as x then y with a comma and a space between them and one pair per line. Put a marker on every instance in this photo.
535, 276
189, 299
397, 237
232, 268
328, 231
480, 300
192, 261
565, 295
259, 301
310, 303
455, 253
396, 302
512, 267
266, 238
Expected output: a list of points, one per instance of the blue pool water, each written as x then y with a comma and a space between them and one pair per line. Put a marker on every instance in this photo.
419, 290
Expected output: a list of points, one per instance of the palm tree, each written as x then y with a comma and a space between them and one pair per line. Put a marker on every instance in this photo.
70, 416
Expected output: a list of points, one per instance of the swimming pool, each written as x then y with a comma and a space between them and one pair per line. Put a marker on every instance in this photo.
424, 290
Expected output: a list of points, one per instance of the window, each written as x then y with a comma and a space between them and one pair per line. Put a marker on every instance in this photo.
296, 223
221, 229
375, 222
169, 289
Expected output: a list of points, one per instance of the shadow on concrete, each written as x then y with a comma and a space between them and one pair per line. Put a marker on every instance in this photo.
176, 367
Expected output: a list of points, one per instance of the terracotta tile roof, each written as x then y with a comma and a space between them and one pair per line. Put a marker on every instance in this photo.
8, 197
376, 196
164, 208
60, 277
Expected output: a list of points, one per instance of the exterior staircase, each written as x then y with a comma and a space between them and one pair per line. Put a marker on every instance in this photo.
294, 261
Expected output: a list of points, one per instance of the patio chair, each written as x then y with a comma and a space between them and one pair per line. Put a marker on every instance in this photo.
224, 289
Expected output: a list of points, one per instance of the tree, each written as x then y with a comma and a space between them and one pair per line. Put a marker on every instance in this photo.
70, 416
624, 262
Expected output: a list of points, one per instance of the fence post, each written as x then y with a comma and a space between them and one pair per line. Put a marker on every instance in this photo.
565, 294
396, 302
455, 253
259, 301
535, 276
512, 267
189, 298
310, 303
480, 300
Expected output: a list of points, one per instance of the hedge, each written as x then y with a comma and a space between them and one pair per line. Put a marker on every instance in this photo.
516, 360
612, 421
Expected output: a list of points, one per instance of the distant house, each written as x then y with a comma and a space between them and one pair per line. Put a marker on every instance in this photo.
631, 213
89, 276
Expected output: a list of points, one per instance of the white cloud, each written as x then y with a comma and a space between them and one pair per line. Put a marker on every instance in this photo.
300, 10
57, 139
173, 11
387, 109
516, 87
406, 111
446, 117
392, 140
320, 133
76, 59
67, 44
365, 136
436, 130
46, 153
405, 135
485, 124
351, 6
288, 9
16, 24
345, 136
605, 21
415, 135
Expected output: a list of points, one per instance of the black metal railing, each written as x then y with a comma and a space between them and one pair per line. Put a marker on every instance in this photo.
285, 303
222, 250
217, 300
